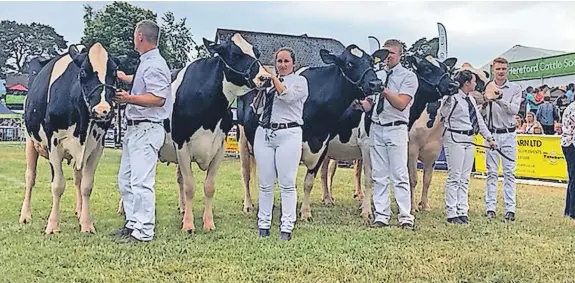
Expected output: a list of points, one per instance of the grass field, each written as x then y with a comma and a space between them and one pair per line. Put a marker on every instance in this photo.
336, 247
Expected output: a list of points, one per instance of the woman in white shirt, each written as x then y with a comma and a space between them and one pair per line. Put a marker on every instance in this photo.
568, 132
462, 121
278, 142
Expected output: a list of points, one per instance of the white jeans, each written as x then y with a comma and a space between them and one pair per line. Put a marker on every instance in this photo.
459, 164
507, 142
389, 150
137, 176
278, 157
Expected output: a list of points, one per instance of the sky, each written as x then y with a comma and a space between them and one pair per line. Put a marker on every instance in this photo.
477, 32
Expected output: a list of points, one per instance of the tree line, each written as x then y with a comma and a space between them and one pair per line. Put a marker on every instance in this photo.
113, 26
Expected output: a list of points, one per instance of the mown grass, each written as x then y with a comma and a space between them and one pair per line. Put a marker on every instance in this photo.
336, 247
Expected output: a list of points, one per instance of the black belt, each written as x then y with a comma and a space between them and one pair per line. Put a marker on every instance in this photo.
502, 131
462, 132
136, 122
279, 126
394, 123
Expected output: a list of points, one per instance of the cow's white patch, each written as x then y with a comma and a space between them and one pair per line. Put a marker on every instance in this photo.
57, 71
204, 144
71, 145
356, 52
99, 60
231, 91
432, 61
245, 46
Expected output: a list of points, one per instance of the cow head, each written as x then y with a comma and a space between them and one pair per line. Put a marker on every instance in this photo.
241, 59
97, 78
357, 67
434, 76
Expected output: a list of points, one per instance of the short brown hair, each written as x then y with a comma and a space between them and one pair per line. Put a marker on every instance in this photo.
289, 50
395, 43
150, 31
500, 60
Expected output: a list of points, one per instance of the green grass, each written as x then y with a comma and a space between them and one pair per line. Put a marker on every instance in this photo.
336, 247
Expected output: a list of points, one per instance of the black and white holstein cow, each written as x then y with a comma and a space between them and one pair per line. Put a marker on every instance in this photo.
67, 112
434, 82
349, 76
204, 91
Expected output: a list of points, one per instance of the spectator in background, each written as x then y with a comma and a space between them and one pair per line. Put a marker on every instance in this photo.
547, 115
569, 93
558, 130
561, 102
531, 126
530, 97
518, 123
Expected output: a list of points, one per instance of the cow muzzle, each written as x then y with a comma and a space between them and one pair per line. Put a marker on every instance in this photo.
376, 86
102, 110
262, 79
453, 88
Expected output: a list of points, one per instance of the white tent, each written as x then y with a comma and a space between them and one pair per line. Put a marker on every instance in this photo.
522, 53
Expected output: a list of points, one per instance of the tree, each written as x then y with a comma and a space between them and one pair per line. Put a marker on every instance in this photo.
22, 42
178, 39
113, 26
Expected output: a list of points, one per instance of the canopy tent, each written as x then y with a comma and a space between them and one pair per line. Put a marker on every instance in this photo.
530, 66
17, 87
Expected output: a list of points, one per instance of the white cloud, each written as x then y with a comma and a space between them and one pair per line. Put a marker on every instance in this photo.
476, 31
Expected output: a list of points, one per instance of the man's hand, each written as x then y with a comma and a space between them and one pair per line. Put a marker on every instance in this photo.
365, 105
122, 96
125, 78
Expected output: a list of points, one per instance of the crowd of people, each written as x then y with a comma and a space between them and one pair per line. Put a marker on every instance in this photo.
539, 114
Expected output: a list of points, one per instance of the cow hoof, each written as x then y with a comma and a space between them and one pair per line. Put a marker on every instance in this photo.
188, 228
366, 215
88, 228
329, 201
209, 227
248, 209
52, 229
424, 207
25, 218
306, 217
358, 197
190, 232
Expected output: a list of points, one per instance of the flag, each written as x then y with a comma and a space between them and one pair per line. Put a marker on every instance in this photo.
442, 52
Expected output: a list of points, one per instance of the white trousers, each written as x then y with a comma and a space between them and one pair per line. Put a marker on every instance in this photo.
277, 155
507, 142
389, 150
459, 165
137, 175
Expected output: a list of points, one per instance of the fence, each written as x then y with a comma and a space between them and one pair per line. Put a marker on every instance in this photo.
12, 133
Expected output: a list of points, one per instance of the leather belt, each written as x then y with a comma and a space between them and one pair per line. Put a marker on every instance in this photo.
136, 122
502, 131
462, 132
394, 123
280, 126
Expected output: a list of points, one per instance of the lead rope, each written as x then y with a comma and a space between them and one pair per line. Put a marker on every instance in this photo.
471, 143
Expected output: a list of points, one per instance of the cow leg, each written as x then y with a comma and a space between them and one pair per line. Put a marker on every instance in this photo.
78, 183
357, 164
245, 163
427, 176
327, 173
209, 189
31, 166
366, 211
307, 187
88, 172
121, 207
184, 163
412, 170
58, 186
181, 194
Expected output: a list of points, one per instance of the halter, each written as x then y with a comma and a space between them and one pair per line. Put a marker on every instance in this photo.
436, 86
100, 85
356, 84
246, 73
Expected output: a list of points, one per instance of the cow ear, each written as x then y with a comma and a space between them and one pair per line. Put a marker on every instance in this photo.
210, 46
450, 62
79, 59
380, 55
73, 51
328, 58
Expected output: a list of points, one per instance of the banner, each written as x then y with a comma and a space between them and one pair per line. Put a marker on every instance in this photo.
442, 51
538, 156
556, 66
231, 144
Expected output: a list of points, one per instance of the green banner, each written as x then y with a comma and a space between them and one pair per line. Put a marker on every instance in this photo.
548, 67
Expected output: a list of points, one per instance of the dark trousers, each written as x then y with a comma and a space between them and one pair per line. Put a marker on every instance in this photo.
548, 130
569, 153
